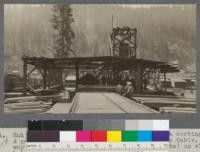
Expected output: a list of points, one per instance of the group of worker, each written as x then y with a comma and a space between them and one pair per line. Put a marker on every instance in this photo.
126, 90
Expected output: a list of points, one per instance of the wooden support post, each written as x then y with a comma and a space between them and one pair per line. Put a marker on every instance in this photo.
135, 43
53, 78
77, 75
57, 78
45, 79
165, 78
24, 77
138, 78
62, 79
48, 78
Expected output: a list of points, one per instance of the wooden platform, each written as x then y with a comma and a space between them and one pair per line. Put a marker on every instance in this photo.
102, 102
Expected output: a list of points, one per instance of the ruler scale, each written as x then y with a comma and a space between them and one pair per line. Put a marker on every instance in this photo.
97, 147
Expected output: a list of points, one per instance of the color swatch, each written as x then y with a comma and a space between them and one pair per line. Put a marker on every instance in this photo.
145, 136
99, 136
67, 136
83, 136
129, 135
50, 136
114, 136
160, 136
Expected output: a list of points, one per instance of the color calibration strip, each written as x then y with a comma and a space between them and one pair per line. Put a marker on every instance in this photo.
98, 136
106, 131
75, 125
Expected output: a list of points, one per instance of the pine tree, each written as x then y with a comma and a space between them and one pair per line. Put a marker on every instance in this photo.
62, 19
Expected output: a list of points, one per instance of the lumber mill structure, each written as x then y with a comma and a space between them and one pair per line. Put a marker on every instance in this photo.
107, 71
122, 58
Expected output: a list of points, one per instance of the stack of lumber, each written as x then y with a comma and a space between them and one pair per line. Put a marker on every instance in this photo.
177, 110
27, 106
30, 104
35, 104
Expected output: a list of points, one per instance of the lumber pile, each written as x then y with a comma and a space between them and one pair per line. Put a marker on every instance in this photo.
177, 110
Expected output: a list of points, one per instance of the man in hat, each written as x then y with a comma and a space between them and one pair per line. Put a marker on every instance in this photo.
129, 89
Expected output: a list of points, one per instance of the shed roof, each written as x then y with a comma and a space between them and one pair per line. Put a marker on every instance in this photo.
94, 62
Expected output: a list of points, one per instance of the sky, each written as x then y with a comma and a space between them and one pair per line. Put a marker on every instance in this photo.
123, 5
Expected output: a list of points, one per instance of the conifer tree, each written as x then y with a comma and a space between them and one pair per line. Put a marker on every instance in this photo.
62, 19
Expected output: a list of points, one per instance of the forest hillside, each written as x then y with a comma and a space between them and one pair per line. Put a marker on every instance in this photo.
165, 32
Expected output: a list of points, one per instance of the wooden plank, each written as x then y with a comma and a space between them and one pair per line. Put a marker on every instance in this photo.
168, 102
29, 107
178, 108
155, 96
29, 111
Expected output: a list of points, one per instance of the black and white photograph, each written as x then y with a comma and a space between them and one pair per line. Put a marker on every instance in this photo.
99, 58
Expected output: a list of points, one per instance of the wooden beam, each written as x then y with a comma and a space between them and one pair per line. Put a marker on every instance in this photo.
41, 72
31, 71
